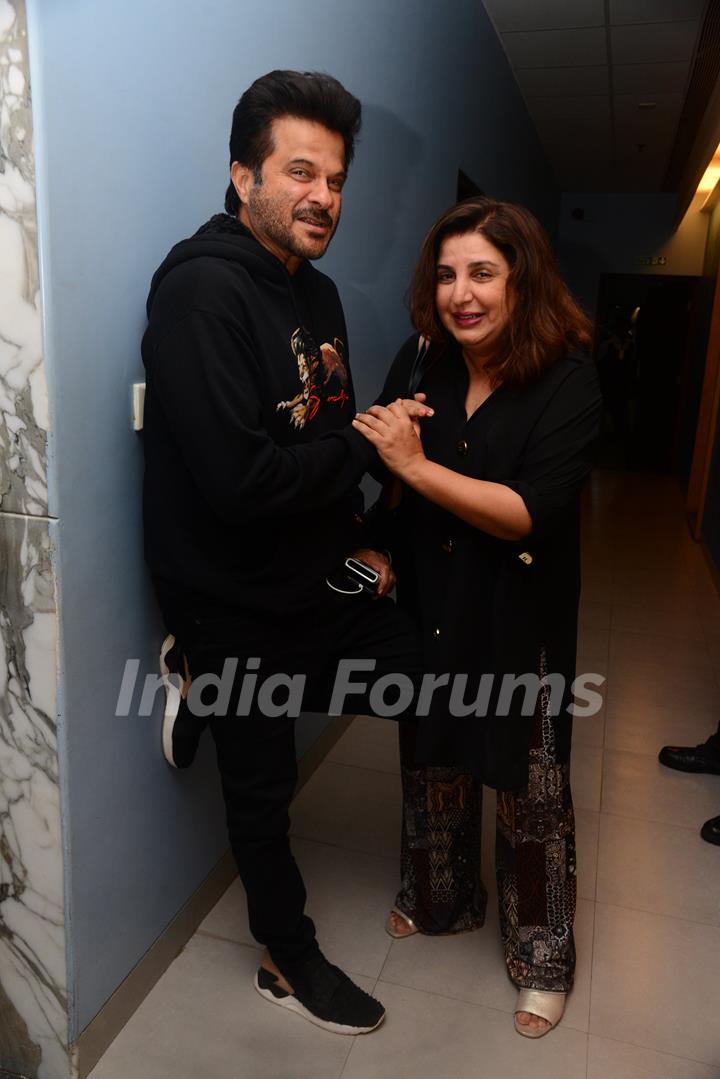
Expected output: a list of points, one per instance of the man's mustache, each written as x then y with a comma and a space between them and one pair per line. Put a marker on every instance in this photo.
315, 219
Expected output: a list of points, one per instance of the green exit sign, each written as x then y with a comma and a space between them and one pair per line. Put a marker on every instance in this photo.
653, 260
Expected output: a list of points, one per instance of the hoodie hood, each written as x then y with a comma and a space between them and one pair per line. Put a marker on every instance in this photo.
222, 237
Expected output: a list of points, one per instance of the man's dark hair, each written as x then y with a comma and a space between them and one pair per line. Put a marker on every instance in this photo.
307, 95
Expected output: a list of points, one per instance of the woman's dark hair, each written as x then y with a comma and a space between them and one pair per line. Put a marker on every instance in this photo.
545, 320
307, 95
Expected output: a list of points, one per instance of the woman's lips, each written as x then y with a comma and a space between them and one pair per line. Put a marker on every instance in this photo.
468, 320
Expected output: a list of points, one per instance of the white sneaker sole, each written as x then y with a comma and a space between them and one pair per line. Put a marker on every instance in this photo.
292, 1004
172, 703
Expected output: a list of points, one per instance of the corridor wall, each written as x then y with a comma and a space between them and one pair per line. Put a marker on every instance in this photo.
618, 232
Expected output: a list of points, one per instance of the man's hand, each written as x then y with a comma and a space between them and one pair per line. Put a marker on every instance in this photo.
417, 409
381, 564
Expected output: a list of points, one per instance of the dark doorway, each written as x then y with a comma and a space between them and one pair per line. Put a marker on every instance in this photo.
647, 331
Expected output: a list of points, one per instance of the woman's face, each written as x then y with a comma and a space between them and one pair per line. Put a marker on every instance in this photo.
471, 292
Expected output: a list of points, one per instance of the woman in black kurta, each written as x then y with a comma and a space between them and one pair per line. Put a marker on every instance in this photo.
487, 555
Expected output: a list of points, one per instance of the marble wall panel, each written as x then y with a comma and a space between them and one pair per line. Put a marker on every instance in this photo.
33, 992
23, 388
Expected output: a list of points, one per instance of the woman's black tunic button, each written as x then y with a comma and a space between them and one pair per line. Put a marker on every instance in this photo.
462, 447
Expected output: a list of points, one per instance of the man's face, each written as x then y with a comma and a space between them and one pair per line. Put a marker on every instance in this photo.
295, 210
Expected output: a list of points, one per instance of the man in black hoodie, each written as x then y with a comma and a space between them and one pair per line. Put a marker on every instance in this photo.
251, 496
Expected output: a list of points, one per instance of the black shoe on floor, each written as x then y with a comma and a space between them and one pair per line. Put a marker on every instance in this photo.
180, 730
325, 996
702, 758
710, 831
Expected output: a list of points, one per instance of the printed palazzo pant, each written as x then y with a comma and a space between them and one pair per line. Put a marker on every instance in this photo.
441, 887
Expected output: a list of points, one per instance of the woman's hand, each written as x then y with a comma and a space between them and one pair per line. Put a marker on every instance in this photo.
395, 434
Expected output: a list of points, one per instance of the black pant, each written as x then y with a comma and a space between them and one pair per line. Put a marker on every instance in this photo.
713, 742
256, 753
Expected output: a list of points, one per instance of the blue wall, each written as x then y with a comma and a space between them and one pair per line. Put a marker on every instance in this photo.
132, 110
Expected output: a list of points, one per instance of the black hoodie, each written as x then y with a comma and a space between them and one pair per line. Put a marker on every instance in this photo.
251, 467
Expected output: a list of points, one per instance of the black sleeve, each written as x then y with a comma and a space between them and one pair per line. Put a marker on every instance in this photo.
396, 385
205, 377
559, 453
397, 381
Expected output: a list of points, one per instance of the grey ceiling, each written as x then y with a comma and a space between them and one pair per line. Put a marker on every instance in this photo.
586, 66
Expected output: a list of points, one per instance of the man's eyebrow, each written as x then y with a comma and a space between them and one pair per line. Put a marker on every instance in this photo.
305, 161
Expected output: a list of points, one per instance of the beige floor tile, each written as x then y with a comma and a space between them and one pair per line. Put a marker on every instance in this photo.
471, 967
653, 650
586, 776
369, 743
618, 1060
349, 895
655, 983
643, 617
428, 1037
653, 677
657, 688
228, 918
713, 645
595, 571
594, 615
590, 730
662, 580
669, 555
658, 867
350, 807
596, 587
636, 785
709, 614
592, 664
708, 607
645, 728
204, 1018
593, 643
587, 826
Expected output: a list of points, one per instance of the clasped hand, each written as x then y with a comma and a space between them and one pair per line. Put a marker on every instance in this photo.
394, 431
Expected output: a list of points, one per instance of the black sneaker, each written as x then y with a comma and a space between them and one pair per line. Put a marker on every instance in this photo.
180, 730
325, 996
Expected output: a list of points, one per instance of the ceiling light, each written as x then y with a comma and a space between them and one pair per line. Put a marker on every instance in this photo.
710, 176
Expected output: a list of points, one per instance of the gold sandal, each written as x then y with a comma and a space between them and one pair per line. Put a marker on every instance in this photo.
546, 1005
411, 927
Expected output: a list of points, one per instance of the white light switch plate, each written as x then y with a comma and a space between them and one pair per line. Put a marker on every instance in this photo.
138, 405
